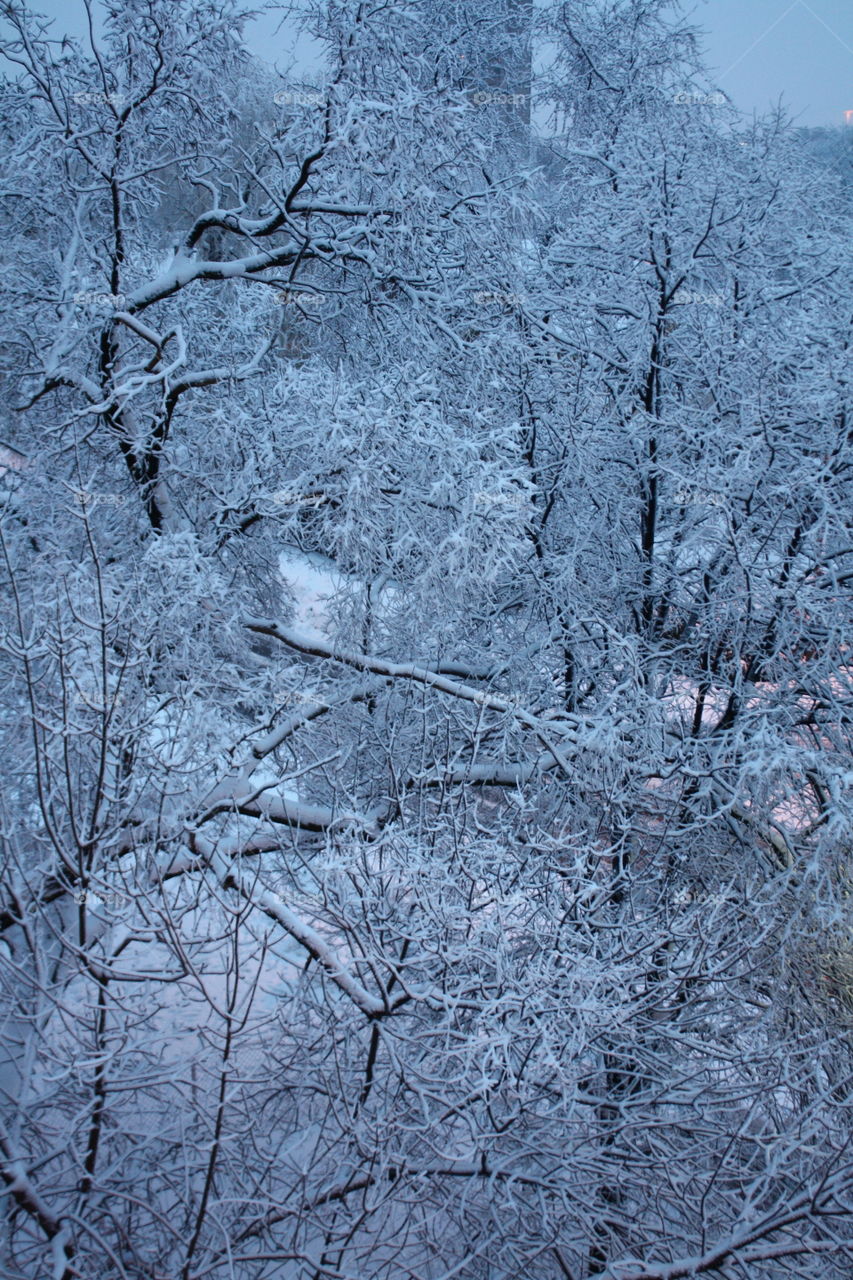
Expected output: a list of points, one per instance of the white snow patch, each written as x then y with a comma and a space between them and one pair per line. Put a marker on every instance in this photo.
313, 580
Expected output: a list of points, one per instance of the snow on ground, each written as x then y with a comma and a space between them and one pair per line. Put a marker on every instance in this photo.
313, 580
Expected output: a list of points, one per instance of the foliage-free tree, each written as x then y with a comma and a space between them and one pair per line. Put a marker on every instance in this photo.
426, 742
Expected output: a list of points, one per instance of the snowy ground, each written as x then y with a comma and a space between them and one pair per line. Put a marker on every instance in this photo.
312, 580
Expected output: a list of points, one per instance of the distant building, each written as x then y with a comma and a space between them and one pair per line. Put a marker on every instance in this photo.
493, 43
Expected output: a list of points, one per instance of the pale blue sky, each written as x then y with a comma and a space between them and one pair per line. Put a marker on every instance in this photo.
799, 49
759, 51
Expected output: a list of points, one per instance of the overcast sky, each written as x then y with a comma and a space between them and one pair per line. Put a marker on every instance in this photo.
801, 50
759, 51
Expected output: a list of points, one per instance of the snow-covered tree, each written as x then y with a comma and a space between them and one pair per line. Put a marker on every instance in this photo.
425, 826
